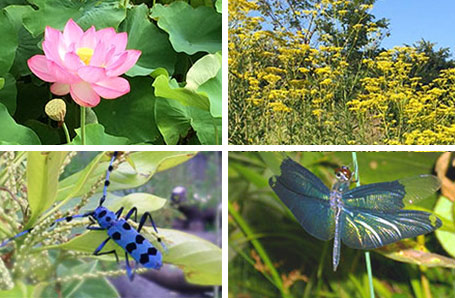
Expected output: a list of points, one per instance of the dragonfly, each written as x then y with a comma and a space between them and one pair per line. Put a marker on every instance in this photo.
364, 217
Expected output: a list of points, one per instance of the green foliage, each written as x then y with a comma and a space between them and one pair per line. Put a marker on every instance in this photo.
265, 237
172, 39
438, 59
9, 43
146, 37
55, 13
198, 31
45, 260
13, 133
42, 177
445, 208
95, 135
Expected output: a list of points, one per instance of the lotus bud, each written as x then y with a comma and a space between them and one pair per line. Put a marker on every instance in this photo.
56, 109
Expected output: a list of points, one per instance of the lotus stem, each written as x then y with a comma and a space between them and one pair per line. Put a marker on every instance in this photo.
67, 134
83, 125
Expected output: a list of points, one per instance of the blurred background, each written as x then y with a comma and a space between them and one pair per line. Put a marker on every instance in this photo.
270, 254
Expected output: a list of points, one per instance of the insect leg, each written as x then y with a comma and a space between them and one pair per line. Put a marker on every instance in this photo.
129, 272
141, 224
119, 213
92, 222
128, 215
95, 228
100, 247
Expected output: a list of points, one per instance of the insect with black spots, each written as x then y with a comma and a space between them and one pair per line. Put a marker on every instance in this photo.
119, 230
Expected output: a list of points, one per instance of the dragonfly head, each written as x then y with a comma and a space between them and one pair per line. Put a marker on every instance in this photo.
343, 174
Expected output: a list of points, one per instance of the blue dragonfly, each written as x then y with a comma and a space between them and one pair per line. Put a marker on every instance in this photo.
118, 230
365, 217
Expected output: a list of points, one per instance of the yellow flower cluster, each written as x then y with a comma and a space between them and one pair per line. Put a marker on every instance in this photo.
279, 107
406, 110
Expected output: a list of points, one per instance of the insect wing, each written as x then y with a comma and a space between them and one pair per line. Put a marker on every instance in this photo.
394, 195
307, 198
368, 229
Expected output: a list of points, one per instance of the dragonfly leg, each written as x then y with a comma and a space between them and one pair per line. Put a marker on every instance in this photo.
100, 247
141, 224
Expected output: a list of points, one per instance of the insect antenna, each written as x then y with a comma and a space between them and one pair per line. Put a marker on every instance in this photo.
107, 181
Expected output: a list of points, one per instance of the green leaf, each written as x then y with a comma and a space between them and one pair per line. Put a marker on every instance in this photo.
444, 207
219, 6
79, 182
2, 83
48, 135
81, 288
409, 251
203, 70
144, 202
13, 133
8, 93
9, 43
200, 30
199, 259
145, 36
147, 163
170, 89
20, 290
28, 45
95, 135
55, 13
212, 87
175, 120
273, 160
132, 115
251, 175
43, 170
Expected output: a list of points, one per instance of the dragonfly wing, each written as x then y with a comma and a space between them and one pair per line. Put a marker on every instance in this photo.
394, 195
368, 229
307, 198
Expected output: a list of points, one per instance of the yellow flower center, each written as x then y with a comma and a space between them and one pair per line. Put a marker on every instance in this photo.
85, 54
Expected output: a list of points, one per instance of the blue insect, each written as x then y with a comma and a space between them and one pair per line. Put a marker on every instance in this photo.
119, 230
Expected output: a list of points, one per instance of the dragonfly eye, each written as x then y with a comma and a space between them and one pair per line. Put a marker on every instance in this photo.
343, 173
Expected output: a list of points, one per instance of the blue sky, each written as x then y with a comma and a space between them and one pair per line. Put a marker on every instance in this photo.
410, 20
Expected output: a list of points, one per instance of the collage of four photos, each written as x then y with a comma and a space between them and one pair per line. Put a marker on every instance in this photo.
311, 148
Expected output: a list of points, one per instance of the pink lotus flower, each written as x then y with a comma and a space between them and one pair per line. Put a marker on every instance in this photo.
85, 64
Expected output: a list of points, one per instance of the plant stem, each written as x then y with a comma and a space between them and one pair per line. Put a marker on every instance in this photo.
367, 253
243, 225
83, 125
67, 134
